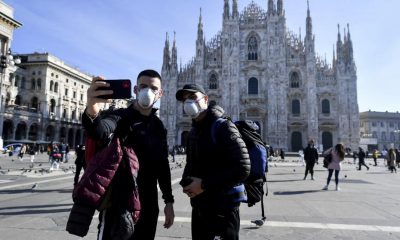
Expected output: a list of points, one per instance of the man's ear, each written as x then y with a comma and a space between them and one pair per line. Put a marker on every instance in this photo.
135, 89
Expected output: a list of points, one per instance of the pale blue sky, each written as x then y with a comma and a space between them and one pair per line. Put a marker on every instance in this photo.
118, 38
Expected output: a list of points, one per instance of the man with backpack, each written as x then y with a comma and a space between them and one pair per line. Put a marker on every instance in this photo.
144, 132
217, 163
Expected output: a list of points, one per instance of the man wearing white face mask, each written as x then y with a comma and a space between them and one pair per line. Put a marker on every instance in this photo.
146, 135
217, 162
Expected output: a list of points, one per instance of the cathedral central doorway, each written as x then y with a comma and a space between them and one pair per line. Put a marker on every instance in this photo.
297, 143
327, 140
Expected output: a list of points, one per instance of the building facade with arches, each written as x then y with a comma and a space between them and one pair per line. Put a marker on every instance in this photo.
255, 68
44, 102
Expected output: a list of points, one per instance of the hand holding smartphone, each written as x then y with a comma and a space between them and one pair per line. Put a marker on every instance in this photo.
121, 88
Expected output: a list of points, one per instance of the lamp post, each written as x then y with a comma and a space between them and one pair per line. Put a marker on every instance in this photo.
6, 60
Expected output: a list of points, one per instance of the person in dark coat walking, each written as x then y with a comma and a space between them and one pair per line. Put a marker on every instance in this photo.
361, 157
310, 157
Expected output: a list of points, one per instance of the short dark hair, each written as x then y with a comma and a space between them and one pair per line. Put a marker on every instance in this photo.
149, 73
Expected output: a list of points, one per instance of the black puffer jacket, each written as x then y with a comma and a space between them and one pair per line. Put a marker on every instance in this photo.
220, 165
310, 154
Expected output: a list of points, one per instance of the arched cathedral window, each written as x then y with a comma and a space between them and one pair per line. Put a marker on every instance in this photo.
56, 87
326, 108
253, 86
296, 107
252, 48
213, 82
294, 80
51, 85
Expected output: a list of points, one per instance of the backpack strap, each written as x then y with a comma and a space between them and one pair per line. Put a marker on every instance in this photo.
214, 128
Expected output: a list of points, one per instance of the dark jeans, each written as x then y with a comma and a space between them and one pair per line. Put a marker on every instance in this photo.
393, 168
330, 176
208, 225
309, 168
376, 164
362, 163
146, 227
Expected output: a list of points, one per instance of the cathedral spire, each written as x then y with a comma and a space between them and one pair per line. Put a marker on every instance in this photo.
350, 44
226, 9
339, 45
200, 29
348, 32
339, 38
167, 57
280, 7
271, 7
174, 57
333, 57
308, 23
235, 12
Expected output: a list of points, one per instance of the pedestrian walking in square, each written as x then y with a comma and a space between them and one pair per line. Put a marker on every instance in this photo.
335, 165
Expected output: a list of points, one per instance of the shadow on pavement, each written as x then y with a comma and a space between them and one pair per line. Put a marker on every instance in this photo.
286, 180
296, 192
41, 211
29, 190
36, 209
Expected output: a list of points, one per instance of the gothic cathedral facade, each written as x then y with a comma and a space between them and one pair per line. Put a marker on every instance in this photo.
256, 69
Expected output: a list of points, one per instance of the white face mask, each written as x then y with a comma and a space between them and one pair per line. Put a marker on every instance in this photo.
192, 108
146, 98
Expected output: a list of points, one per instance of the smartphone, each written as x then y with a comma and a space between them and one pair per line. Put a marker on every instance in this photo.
122, 89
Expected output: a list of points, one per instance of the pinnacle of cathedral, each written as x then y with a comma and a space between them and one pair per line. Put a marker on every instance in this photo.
235, 12
174, 60
280, 7
271, 7
308, 23
167, 57
226, 10
200, 29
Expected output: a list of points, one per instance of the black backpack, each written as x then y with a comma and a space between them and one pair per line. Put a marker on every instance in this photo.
258, 152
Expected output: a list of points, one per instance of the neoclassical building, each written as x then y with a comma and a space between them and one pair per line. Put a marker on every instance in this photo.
380, 130
44, 101
42, 98
255, 68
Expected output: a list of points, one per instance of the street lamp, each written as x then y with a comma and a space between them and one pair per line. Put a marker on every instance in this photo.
8, 60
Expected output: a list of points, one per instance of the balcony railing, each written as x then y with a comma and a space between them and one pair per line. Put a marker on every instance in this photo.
259, 98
